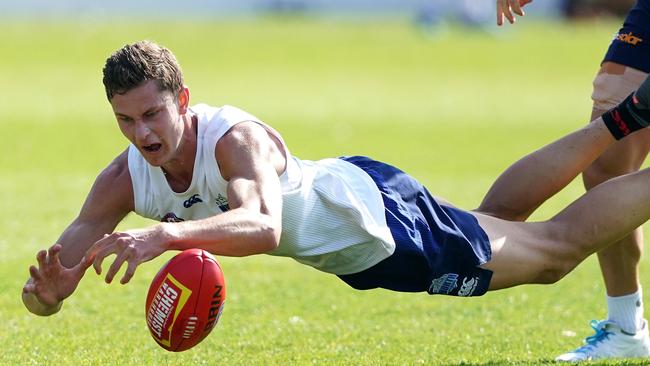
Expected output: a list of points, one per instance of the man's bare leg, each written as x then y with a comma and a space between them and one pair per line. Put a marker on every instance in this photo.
543, 252
619, 263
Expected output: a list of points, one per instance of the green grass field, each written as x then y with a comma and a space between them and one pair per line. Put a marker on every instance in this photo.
453, 110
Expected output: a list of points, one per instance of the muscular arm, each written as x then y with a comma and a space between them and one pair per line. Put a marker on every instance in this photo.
60, 268
109, 201
251, 161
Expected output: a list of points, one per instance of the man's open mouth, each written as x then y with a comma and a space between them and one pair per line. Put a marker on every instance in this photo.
152, 147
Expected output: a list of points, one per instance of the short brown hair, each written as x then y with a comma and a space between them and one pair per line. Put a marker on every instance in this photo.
133, 64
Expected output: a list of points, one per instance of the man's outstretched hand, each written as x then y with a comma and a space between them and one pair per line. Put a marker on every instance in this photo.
505, 8
51, 282
132, 247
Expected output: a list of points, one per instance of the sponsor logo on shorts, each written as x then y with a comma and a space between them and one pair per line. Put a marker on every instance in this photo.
468, 286
192, 200
628, 38
443, 284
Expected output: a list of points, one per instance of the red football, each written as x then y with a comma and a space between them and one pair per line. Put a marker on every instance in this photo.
185, 300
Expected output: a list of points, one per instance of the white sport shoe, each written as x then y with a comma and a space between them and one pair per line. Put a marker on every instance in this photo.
610, 341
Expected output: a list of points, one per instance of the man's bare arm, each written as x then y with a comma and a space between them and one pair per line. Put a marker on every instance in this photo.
61, 267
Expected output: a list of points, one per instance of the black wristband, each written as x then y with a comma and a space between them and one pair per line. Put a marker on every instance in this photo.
640, 113
626, 118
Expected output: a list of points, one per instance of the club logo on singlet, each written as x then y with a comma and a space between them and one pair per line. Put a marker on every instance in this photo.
443, 284
192, 200
171, 217
222, 202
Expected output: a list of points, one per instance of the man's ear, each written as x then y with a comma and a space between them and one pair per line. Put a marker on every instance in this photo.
183, 100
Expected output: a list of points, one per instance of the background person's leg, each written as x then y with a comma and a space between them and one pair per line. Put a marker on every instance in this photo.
619, 263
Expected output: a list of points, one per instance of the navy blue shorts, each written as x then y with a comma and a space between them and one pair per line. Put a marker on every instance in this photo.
631, 45
438, 248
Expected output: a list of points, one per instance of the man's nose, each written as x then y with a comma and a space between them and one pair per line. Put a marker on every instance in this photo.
141, 131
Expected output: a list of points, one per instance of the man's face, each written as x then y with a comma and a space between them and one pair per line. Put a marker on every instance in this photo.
150, 120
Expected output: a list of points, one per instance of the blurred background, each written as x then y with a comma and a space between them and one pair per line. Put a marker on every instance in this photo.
471, 11
434, 87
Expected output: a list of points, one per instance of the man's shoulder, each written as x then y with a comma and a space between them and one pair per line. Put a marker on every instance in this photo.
112, 191
118, 169
227, 114
115, 179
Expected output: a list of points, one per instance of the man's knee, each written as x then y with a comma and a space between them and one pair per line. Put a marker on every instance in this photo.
559, 265
629, 249
608, 92
554, 271
612, 85
562, 254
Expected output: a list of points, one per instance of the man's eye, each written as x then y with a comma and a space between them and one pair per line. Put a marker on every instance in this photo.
150, 114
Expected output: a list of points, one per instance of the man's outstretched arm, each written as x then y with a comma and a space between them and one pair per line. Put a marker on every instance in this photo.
60, 268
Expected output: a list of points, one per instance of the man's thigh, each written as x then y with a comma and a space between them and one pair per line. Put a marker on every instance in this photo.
522, 252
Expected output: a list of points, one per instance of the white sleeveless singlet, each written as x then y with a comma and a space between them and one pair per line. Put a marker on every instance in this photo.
332, 212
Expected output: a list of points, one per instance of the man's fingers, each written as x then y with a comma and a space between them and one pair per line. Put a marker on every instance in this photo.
97, 265
508, 14
33, 271
99, 258
84, 263
130, 270
115, 243
29, 288
100, 250
499, 12
53, 253
99, 245
55, 249
514, 5
117, 263
41, 258
506, 8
